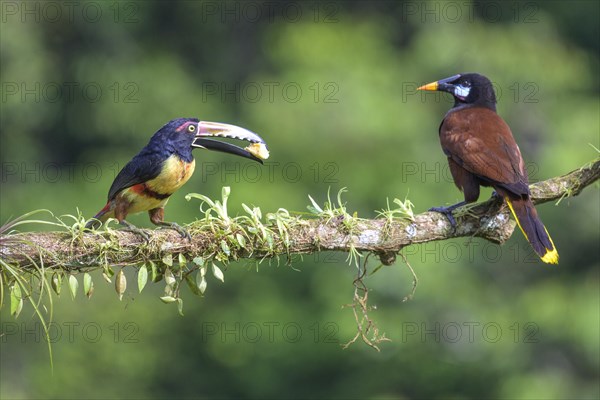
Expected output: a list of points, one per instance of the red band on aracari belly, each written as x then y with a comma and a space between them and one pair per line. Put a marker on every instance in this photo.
144, 190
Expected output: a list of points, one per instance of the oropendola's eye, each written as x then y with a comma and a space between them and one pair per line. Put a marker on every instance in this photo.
191, 128
462, 90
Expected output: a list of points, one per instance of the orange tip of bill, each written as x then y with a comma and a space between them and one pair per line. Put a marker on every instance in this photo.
429, 86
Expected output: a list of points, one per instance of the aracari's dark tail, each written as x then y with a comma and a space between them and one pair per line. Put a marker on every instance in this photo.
98, 219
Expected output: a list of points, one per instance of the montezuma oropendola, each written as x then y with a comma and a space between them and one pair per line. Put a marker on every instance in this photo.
165, 164
481, 151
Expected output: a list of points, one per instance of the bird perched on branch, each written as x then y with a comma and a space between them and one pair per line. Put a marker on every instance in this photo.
165, 165
481, 151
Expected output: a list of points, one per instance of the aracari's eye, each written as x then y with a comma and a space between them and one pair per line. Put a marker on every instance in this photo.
192, 128
466, 84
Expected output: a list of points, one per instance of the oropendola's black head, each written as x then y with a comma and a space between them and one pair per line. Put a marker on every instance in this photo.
181, 135
467, 89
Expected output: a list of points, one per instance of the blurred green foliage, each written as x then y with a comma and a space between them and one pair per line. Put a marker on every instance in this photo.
332, 90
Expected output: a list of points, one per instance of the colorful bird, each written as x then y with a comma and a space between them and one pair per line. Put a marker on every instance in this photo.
481, 151
165, 165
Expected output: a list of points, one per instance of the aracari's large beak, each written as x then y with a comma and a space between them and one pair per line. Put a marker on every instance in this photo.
218, 130
442, 85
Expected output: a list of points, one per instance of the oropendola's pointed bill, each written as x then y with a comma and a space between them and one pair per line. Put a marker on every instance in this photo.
165, 165
481, 151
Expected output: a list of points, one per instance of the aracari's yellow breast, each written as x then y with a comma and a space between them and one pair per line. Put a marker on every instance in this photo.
140, 202
174, 174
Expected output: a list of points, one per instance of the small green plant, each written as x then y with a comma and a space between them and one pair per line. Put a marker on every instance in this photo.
339, 214
32, 285
328, 211
403, 211
219, 208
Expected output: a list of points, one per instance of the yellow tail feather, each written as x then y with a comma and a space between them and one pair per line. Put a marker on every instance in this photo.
551, 256
512, 210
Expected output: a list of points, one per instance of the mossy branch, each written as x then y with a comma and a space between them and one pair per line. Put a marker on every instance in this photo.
28, 259
225, 238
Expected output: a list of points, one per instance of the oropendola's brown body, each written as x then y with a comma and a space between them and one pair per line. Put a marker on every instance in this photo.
482, 151
165, 164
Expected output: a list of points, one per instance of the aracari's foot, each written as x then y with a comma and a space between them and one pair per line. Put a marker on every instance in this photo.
134, 229
447, 211
172, 225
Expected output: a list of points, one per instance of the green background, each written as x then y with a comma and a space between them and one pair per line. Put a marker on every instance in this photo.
331, 87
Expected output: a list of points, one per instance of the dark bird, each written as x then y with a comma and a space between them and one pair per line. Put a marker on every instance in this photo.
481, 151
165, 165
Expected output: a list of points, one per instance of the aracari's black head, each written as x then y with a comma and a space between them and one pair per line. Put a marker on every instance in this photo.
180, 136
471, 89
176, 136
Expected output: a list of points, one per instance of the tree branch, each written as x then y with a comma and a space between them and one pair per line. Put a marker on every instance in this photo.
229, 239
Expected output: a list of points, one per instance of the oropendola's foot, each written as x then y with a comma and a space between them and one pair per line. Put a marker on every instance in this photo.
172, 225
496, 196
134, 229
447, 211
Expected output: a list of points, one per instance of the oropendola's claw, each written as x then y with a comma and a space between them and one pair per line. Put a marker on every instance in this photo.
447, 211
256, 151
496, 196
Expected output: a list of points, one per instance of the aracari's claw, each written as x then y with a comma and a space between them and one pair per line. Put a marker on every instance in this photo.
172, 225
134, 229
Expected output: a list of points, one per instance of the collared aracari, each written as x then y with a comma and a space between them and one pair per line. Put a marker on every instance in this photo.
481, 151
165, 164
